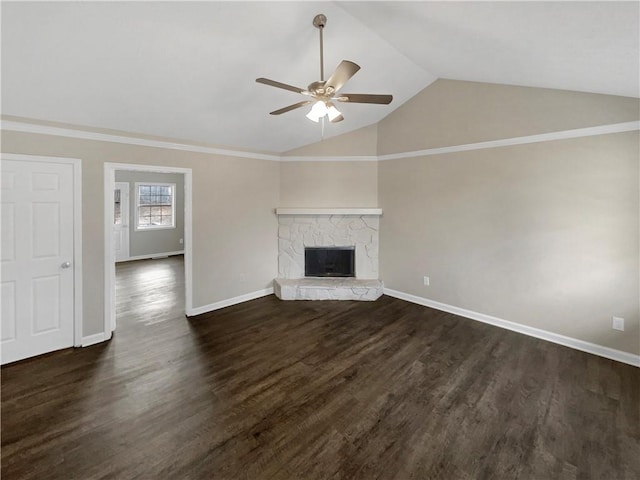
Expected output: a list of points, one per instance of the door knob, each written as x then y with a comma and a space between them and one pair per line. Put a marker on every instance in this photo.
66, 265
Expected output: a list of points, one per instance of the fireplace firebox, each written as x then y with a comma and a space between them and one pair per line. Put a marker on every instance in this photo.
329, 261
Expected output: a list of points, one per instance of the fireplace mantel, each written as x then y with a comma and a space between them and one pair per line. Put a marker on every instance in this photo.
329, 211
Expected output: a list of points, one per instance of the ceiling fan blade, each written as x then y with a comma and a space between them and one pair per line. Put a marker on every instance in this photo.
291, 107
344, 72
339, 118
365, 98
273, 83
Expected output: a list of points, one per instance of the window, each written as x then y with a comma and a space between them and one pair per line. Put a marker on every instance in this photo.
155, 206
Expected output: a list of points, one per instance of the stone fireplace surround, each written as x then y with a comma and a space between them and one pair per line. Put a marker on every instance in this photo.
328, 227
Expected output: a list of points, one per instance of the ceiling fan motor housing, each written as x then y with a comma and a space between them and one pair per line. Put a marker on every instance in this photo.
319, 21
320, 89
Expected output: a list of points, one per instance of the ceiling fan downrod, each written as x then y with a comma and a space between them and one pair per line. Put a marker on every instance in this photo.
319, 21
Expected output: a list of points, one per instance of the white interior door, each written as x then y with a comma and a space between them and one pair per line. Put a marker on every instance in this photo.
37, 284
121, 221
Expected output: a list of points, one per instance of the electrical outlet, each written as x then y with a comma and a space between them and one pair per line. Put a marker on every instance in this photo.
617, 323
181, 241
426, 281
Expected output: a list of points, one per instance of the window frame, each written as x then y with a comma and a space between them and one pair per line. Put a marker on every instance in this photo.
145, 228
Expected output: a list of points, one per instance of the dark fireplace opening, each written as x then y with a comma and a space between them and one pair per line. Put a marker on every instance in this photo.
329, 262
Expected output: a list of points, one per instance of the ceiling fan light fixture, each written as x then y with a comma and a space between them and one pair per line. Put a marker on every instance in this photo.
312, 117
318, 111
333, 112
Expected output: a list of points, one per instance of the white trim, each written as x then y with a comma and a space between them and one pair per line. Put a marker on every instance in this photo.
329, 211
230, 301
543, 137
147, 168
188, 240
106, 137
10, 125
109, 258
151, 256
77, 250
570, 342
76, 165
109, 254
334, 158
93, 339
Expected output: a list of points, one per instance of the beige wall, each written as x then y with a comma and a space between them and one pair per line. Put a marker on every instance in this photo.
234, 227
359, 142
545, 234
328, 184
150, 242
316, 184
452, 112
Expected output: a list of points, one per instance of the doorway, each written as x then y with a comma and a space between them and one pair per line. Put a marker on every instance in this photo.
110, 250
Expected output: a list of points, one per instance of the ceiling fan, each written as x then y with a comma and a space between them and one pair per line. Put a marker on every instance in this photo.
325, 92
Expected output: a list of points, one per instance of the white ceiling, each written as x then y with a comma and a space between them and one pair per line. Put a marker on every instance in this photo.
187, 70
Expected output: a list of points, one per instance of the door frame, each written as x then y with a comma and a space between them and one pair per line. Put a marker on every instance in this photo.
76, 165
109, 254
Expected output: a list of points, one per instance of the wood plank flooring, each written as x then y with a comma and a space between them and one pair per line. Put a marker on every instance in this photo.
314, 390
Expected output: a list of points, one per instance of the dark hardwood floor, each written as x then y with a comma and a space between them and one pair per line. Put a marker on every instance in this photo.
314, 390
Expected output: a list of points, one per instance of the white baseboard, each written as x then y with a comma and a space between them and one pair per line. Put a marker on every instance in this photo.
151, 255
230, 301
574, 343
93, 339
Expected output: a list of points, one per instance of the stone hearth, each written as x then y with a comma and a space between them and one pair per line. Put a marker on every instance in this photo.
327, 289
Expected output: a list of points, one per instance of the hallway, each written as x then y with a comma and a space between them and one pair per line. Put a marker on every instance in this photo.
149, 292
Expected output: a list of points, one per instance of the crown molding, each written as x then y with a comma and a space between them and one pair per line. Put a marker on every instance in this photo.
542, 137
143, 142
345, 158
104, 137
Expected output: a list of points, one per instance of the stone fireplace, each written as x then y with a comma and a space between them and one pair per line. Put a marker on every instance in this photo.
355, 229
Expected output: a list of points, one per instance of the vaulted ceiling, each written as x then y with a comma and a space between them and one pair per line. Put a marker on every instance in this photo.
187, 70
